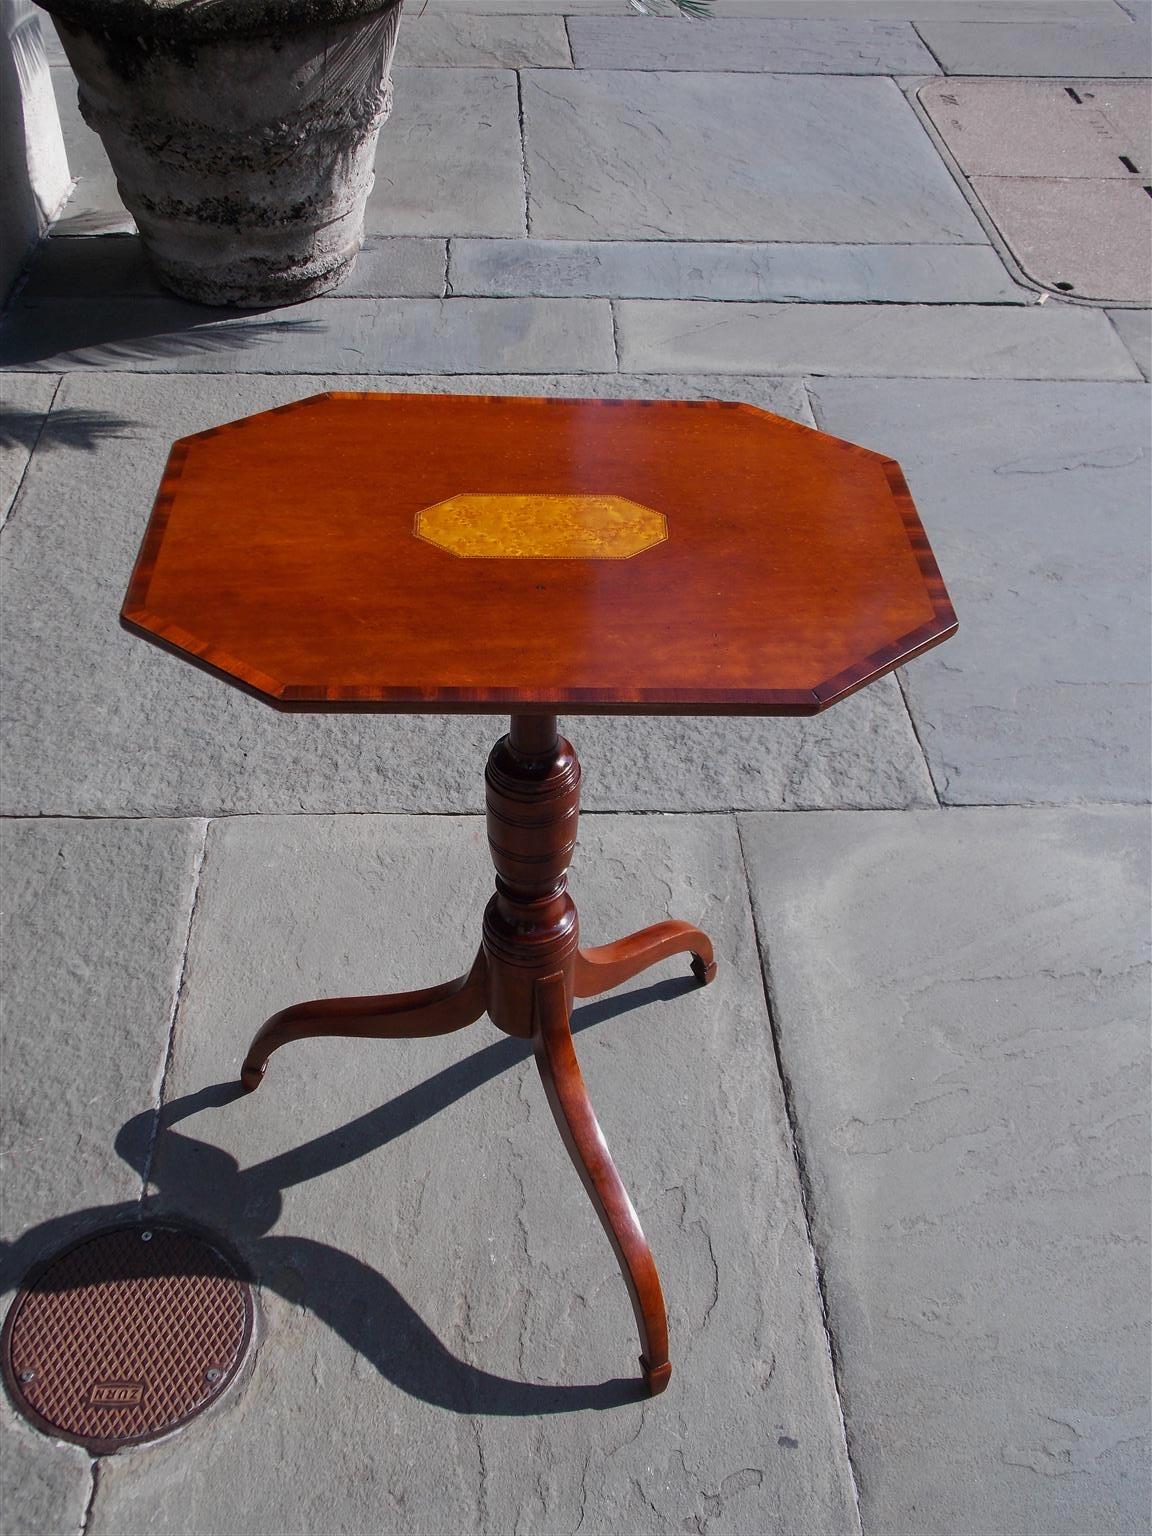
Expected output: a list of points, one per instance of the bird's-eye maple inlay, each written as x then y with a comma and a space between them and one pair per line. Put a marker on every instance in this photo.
541, 526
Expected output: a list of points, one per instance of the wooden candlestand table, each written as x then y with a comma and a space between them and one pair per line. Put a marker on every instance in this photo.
463, 554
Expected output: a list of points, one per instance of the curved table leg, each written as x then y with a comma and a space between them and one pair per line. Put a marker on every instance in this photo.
599, 970
568, 1098
431, 1011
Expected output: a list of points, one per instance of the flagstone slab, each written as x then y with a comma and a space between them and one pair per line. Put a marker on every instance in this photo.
1135, 327
92, 936
1074, 47
960, 999
1035, 497
1007, 10
449, 161
436, 1289
93, 928
828, 45
1053, 341
94, 925
665, 269
167, 335
624, 154
24, 403
99, 722
103, 268
454, 39
399, 267
47, 1484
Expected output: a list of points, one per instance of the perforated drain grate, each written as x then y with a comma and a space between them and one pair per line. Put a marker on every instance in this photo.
126, 1336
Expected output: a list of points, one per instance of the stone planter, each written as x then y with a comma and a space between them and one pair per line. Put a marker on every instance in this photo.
242, 133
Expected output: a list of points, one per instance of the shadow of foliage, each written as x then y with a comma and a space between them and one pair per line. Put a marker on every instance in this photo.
64, 427
65, 334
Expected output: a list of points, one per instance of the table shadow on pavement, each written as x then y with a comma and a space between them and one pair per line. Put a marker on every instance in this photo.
206, 1186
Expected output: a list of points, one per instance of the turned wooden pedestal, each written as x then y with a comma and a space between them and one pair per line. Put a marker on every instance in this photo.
527, 972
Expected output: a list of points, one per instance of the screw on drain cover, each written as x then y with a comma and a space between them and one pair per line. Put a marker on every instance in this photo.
126, 1335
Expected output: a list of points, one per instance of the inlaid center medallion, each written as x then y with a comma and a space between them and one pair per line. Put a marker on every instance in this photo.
541, 526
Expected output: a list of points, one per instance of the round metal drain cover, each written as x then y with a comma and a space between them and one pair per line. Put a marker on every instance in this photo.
126, 1335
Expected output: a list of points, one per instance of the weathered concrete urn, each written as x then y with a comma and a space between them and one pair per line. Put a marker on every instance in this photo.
242, 132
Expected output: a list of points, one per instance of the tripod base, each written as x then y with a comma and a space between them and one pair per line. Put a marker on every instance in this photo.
525, 976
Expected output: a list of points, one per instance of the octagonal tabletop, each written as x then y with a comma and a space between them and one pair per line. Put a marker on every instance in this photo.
434, 553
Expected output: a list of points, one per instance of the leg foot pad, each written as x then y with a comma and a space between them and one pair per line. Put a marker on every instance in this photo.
251, 1078
656, 1378
704, 971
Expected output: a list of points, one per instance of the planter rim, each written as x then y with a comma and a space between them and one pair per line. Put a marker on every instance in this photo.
208, 20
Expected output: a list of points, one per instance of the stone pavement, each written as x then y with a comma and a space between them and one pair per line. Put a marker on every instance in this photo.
894, 1164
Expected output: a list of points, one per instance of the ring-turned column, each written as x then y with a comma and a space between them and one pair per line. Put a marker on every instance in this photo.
532, 793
